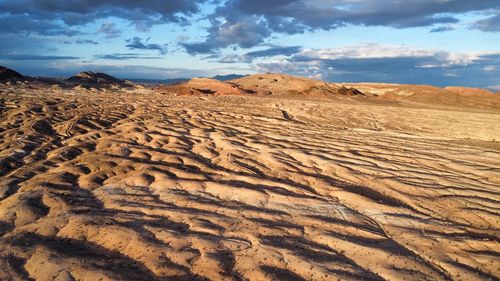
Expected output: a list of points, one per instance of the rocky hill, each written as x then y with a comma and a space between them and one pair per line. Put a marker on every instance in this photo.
9, 75
89, 79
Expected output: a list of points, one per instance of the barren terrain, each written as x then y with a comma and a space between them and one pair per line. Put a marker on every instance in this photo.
145, 186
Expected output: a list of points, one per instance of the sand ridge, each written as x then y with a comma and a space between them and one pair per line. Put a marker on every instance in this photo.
463, 97
199, 86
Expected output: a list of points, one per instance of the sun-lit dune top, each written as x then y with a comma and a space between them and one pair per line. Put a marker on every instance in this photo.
467, 91
201, 86
285, 85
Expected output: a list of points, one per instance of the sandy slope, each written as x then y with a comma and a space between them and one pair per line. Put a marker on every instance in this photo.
426, 94
282, 85
199, 86
146, 186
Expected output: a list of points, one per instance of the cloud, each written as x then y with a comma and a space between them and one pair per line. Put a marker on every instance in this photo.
328, 14
387, 63
250, 56
85, 42
109, 30
238, 23
490, 68
129, 56
274, 51
490, 24
142, 14
26, 24
441, 29
136, 43
248, 23
245, 33
366, 50
36, 57
80, 42
495, 88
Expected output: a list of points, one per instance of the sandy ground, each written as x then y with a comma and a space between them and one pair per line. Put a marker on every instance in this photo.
98, 186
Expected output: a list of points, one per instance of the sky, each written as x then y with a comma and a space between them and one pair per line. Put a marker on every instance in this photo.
438, 42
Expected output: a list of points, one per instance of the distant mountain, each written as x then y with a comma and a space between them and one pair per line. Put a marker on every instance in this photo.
228, 77
86, 79
91, 79
9, 75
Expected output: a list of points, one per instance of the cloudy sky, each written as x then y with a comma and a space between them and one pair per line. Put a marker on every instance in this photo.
440, 42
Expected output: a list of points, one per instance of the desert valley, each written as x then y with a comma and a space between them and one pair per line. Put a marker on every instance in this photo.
265, 177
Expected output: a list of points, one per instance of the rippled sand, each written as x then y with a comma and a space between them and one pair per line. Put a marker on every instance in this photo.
98, 186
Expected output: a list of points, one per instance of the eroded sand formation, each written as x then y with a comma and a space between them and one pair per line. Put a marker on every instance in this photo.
146, 186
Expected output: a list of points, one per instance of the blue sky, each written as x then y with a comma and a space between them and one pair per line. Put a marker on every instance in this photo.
440, 42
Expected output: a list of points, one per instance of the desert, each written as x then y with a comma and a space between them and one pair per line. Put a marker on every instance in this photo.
264, 177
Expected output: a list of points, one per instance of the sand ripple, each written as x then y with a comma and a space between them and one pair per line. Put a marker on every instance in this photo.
149, 187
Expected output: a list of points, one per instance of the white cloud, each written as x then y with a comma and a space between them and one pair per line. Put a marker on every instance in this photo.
389, 63
490, 68
375, 50
494, 88
366, 50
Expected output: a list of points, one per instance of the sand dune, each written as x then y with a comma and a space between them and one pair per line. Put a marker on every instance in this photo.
149, 186
282, 85
466, 91
199, 86
430, 95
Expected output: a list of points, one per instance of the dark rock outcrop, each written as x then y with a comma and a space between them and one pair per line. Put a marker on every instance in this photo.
89, 79
9, 75
349, 92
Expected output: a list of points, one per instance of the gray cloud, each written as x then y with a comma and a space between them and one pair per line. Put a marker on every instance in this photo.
36, 57
76, 12
490, 24
327, 14
137, 43
109, 30
246, 32
129, 56
250, 56
85, 42
441, 29
240, 23
274, 51
26, 24
259, 19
